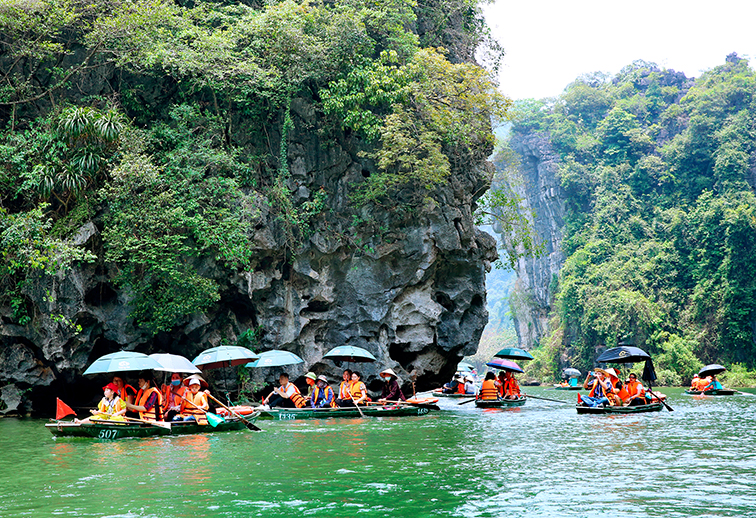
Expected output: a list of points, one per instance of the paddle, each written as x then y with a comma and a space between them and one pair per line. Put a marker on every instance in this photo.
546, 399
250, 426
159, 424
419, 405
213, 419
468, 401
660, 399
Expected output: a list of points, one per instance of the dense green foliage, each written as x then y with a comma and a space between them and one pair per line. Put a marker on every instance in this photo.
168, 124
660, 234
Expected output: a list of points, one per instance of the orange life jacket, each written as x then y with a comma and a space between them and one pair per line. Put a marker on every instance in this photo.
155, 413
608, 391
298, 398
460, 387
488, 390
124, 392
511, 387
316, 394
194, 404
171, 398
632, 389
345, 389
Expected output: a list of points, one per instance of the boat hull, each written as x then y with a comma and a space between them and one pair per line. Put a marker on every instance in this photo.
121, 431
561, 387
500, 403
293, 414
720, 392
639, 409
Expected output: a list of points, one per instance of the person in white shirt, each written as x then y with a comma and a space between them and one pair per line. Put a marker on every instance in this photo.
285, 396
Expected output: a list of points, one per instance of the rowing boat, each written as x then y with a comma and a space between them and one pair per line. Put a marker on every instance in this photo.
438, 393
562, 387
291, 414
637, 409
713, 392
105, 430
500, 403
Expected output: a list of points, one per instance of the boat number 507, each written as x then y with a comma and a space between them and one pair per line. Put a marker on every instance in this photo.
108, 434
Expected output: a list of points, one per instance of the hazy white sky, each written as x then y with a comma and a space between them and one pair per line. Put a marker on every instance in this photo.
549, 43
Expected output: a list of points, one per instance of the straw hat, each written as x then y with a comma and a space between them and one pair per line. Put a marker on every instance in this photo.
607, 372
389, 372
203, 383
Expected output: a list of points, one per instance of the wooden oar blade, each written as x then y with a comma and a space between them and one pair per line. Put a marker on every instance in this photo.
161, 424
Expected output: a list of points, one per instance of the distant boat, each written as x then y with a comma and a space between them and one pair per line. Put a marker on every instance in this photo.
637, 409
500, 403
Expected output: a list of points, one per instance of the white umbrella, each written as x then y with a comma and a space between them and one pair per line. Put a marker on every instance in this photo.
174, 363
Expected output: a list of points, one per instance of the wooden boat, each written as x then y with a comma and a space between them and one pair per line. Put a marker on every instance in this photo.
104, 430
291, 414
562, 387
438, 393
713, 392
638, 409
500, 403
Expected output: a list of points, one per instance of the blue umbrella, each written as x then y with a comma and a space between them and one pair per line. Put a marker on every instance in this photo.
174, 363
224, 356
349, 353
122, 361
275, 358
464, 366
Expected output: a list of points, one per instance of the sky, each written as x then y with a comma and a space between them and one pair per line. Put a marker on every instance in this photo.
549, 43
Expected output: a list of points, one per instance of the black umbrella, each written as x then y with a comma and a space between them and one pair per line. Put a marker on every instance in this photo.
623, 354
649, 374
711, 370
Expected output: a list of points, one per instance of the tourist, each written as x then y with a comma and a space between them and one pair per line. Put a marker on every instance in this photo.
694, 382
285, 396
713, 384
126, 392
500, 382
110, 408
310, 378
148, 402
345, 389
173, 395
322, 394
510, 386
357, 392
488, 389
194, 404
455, 386
635, 394
391, 390
600, 389
470, 385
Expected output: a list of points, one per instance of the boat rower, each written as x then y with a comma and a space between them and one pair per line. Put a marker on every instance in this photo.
391, 390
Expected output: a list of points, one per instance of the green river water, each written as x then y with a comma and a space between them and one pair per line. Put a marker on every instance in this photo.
540, 460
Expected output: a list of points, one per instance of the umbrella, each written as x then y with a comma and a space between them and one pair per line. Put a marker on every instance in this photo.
572, 373
224, 356
513, 353
122, 361
623, 354
349, 353
174, 363
507, 365
464, 366
275, 359
709, 370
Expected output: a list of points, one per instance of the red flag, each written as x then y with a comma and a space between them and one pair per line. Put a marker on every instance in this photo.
580, 400
63, 410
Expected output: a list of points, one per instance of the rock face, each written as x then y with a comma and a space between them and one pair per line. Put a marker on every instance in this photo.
543, 197
415, 298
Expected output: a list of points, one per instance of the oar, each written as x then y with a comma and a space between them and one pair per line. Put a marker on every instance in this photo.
419, 405
213, 419
468, 401
159, 424
249, 425
660, 399
546, 399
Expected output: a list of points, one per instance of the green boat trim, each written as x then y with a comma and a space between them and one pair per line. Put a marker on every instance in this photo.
441, 394
638, 409
500, 403
292, 414
715, 392
123, 430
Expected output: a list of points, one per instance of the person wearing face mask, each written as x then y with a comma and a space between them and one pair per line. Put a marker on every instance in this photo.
322, 394
391, 390
149, 401
173, 395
